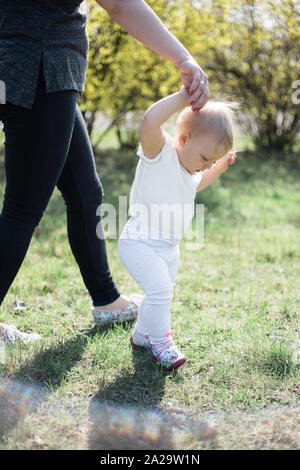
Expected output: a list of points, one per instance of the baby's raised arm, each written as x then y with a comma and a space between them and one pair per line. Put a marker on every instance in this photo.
151, 134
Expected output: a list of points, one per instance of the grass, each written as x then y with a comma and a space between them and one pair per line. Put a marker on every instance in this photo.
235, 313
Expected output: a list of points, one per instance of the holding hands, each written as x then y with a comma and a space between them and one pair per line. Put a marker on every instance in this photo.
196, 83
185, 96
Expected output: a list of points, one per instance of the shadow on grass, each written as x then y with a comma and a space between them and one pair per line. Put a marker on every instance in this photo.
142, 387
45, 371
126, 414
49, 367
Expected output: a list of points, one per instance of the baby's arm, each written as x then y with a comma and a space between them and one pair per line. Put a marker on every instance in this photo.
209, 176
151, 135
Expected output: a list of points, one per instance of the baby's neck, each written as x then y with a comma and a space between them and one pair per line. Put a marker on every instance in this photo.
178, 155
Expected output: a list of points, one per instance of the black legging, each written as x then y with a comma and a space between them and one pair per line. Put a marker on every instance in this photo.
45, 147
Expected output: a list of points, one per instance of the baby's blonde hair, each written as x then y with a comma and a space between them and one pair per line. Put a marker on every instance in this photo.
216, 118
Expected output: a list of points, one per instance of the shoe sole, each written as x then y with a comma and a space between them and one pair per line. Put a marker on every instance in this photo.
117, 320
173, 366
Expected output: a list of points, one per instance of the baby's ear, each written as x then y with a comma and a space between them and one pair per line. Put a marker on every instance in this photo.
183, 138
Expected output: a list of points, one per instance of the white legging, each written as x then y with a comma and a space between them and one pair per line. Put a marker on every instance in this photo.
154, 266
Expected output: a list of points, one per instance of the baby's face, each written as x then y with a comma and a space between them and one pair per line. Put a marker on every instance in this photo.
198, 153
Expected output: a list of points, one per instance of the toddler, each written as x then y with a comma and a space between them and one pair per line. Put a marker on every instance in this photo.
168, 175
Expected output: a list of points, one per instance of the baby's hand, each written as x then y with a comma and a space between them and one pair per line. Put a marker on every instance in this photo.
185, 95
228, 159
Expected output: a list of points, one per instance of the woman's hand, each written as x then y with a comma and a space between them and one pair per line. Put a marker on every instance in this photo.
143, 24
196, 83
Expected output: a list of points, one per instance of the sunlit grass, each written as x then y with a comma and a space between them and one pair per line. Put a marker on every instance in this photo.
235, 308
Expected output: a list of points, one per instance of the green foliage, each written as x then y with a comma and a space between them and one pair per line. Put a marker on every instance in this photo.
250, 51
254, 51
123, 75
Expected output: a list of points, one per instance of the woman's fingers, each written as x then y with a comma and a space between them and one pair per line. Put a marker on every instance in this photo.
196, 81
199, 91
191, 74
202, 99
196, 103
195, 95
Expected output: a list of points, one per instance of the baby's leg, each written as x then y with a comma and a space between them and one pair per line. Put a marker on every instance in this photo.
151, 272
172, 258
140, 326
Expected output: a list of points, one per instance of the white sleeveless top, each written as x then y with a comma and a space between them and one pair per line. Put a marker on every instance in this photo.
162, 197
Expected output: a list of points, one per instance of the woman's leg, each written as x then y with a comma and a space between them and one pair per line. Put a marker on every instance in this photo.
82, 191
36, 147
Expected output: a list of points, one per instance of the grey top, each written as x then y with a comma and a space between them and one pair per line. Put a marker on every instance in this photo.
30, 28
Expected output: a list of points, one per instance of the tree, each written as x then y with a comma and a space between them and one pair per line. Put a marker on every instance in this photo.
123, 75
249, 49
253, 50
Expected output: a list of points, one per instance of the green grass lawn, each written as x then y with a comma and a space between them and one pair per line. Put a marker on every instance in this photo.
235, 313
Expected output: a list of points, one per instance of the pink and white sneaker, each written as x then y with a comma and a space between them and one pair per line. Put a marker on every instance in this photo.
167, 353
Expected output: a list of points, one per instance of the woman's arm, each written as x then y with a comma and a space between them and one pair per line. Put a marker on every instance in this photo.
151, 134
144, 25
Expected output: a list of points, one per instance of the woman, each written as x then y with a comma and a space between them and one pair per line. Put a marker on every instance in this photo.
43, 62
